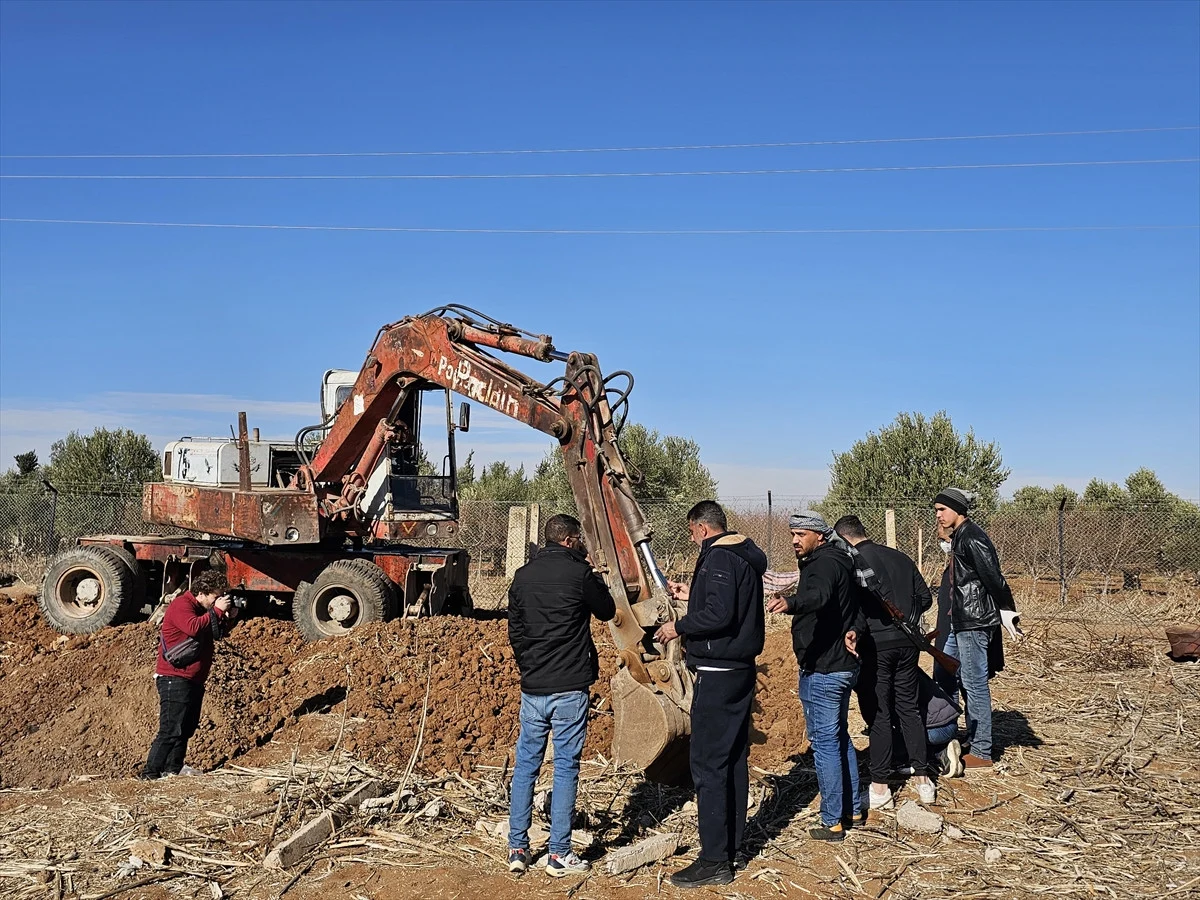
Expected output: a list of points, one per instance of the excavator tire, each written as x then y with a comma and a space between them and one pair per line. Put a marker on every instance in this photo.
132, 607
85, 589
650, 731
347, 594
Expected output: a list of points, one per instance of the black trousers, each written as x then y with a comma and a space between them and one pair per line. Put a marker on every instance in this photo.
888, 697
179, 702
720, 748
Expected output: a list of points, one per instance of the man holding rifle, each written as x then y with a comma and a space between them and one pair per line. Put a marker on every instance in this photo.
888, 694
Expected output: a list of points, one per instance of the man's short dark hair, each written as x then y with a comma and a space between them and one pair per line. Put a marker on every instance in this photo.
210, 581
560, 527
710, 513
850, 527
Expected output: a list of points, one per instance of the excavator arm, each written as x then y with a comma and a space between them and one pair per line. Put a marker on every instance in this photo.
448, 347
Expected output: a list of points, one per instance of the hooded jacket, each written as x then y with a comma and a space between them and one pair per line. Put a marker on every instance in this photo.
824, 607
724, 624
550, 605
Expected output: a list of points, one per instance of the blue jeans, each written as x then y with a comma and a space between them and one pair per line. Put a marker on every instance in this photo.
942, 735
970, 648
826, 701
564, 715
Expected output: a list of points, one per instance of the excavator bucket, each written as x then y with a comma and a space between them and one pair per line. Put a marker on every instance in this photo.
651, 731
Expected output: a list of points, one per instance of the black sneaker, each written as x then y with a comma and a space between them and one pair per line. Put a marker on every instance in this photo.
703, 872
147, 776
828, 833
740, 861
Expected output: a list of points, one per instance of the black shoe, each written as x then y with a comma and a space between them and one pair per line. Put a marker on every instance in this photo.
830, 833
741, 859
147, 776
703, 872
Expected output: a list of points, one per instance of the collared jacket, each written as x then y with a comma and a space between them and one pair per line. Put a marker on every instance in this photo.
978, 588
825, 607
724, 624
186, 618
906, 587
550, 605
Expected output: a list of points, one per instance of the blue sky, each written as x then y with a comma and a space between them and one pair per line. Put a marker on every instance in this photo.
1078, 351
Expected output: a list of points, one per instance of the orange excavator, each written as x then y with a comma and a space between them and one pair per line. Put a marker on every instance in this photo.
327, 520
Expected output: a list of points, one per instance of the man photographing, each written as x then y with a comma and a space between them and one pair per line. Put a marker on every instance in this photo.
194, 621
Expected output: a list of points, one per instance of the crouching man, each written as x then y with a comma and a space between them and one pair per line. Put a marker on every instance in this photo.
194, 621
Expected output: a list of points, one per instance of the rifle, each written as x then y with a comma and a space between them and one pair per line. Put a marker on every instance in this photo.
920, 641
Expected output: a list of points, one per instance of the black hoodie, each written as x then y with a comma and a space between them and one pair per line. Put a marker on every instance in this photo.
825, 606
724, 622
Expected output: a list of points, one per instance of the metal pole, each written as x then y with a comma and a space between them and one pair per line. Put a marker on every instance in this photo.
770, 528
1062, 569
243, 454
53, 509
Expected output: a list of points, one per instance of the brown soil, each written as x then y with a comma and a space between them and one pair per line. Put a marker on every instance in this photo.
86, 705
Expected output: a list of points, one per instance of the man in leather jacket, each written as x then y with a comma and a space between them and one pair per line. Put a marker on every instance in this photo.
980, 601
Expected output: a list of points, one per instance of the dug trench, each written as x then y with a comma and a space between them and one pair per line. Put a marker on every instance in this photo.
85, 706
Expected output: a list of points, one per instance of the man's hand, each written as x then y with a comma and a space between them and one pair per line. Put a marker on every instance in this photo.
1011, 620
666, 633
776, 604
679, 590
223, 603
852, 642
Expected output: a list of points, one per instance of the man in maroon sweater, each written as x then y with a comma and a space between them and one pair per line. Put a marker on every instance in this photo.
194, 620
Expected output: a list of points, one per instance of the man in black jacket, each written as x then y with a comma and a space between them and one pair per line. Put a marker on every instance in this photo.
724, 631
550, 605
825, 607
888, 692
980, 600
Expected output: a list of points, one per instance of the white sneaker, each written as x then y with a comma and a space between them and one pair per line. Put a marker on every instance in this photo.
882, 801
188, 770
567, 864
954, 764
927, 792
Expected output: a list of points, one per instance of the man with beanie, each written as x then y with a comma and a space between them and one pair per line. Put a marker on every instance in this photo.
723, 632
550, 605
888, 685
825, 608
980, 601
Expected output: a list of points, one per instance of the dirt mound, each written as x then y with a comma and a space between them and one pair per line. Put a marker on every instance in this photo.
86, 705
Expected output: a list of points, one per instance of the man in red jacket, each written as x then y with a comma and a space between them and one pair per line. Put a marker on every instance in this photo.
194, 620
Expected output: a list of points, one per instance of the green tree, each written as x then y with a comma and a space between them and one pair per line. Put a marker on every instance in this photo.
103, 460
1035, 497
497, 482
912, 459
27, 464
1104, 495
665, 467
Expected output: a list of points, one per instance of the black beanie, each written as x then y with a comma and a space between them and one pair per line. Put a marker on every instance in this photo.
953, 498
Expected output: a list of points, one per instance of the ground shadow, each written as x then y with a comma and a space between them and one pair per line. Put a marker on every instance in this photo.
1010, 728
649, 803
787, 795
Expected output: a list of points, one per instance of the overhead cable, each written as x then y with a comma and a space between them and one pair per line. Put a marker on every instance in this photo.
492, 176
612, 231
647, 149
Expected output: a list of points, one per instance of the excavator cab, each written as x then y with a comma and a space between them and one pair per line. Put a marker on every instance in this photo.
416, 478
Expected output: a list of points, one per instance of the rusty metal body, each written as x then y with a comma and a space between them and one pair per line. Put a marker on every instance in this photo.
277, 539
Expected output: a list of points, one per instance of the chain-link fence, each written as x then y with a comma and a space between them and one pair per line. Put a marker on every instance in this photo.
1080, 564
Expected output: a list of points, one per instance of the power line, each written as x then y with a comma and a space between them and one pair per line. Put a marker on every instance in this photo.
663, 148
484, 176
614, 231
